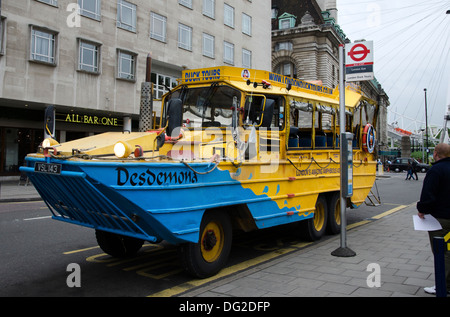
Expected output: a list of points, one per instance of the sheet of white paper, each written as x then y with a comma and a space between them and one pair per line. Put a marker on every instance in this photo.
428, 224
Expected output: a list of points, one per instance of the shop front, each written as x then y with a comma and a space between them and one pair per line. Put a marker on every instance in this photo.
16, 143
22, 131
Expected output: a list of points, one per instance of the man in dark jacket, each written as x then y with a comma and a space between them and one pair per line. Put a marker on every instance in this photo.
435, 200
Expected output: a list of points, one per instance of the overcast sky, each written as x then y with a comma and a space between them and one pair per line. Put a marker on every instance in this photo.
411, 52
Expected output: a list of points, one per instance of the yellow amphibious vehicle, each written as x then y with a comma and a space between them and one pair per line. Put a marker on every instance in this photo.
235, 149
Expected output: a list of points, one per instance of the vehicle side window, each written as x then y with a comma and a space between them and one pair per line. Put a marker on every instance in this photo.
264, 111
278, 113
253, 109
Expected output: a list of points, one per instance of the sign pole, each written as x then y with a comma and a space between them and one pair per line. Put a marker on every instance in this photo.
343, 250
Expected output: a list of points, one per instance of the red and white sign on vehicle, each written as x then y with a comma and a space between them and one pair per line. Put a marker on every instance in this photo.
359, 61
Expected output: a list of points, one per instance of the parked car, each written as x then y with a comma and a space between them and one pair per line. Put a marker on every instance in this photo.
401, 164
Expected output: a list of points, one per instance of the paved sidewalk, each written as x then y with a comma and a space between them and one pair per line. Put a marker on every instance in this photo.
11, 191
404, 257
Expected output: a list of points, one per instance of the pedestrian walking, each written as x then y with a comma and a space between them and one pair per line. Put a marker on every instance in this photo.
434, 201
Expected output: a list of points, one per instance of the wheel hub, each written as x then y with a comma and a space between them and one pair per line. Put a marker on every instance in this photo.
210, 240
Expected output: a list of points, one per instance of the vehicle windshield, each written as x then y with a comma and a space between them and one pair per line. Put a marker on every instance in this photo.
208, 106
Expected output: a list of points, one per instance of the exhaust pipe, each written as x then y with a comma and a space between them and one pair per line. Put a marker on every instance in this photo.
146, 110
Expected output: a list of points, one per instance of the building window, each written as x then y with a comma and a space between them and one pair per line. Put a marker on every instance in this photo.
209, 8
285, 24
89, 56
50, 2
246, 58
208, 45
186, 3
161, 84
286, 21
246, 24
126, 65
333, 75
287, 69
90, 8
126, 15
283, 46
43, 45
228, 15
158, 27
228, 53
185, 37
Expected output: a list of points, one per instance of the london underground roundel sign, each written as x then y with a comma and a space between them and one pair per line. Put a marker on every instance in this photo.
359, 52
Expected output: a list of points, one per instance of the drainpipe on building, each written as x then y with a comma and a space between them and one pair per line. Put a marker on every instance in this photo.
146, 111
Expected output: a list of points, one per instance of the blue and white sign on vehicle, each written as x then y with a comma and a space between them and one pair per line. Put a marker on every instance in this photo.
359, 61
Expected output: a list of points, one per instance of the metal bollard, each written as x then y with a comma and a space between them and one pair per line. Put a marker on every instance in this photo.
439, 266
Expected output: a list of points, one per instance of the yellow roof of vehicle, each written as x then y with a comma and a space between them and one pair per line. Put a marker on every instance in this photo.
261, 81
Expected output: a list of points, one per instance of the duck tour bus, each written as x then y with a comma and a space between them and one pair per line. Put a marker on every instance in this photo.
235, 149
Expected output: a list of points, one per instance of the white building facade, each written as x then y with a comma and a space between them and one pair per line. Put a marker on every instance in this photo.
88, 59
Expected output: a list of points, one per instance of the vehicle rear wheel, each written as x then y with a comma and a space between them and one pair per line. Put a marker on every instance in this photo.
313, 229
117, 245
207, 257
334, 214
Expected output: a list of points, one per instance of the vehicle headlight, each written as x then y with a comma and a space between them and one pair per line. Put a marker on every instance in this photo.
49, 142
122, 149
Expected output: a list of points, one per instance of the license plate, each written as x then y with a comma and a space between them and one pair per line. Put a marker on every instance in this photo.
50, 168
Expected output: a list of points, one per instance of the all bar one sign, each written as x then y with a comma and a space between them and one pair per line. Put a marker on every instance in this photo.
89, 119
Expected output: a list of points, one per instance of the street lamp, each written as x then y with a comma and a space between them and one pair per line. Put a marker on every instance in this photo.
426, 123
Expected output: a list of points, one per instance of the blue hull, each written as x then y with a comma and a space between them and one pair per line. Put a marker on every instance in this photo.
150, 201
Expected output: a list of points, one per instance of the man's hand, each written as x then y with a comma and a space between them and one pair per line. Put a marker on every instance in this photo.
421, 215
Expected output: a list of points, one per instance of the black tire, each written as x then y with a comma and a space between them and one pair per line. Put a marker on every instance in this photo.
117, 245
207, 257
334, 213
313, 229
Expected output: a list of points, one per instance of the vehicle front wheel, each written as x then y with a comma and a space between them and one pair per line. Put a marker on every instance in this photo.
207, 257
